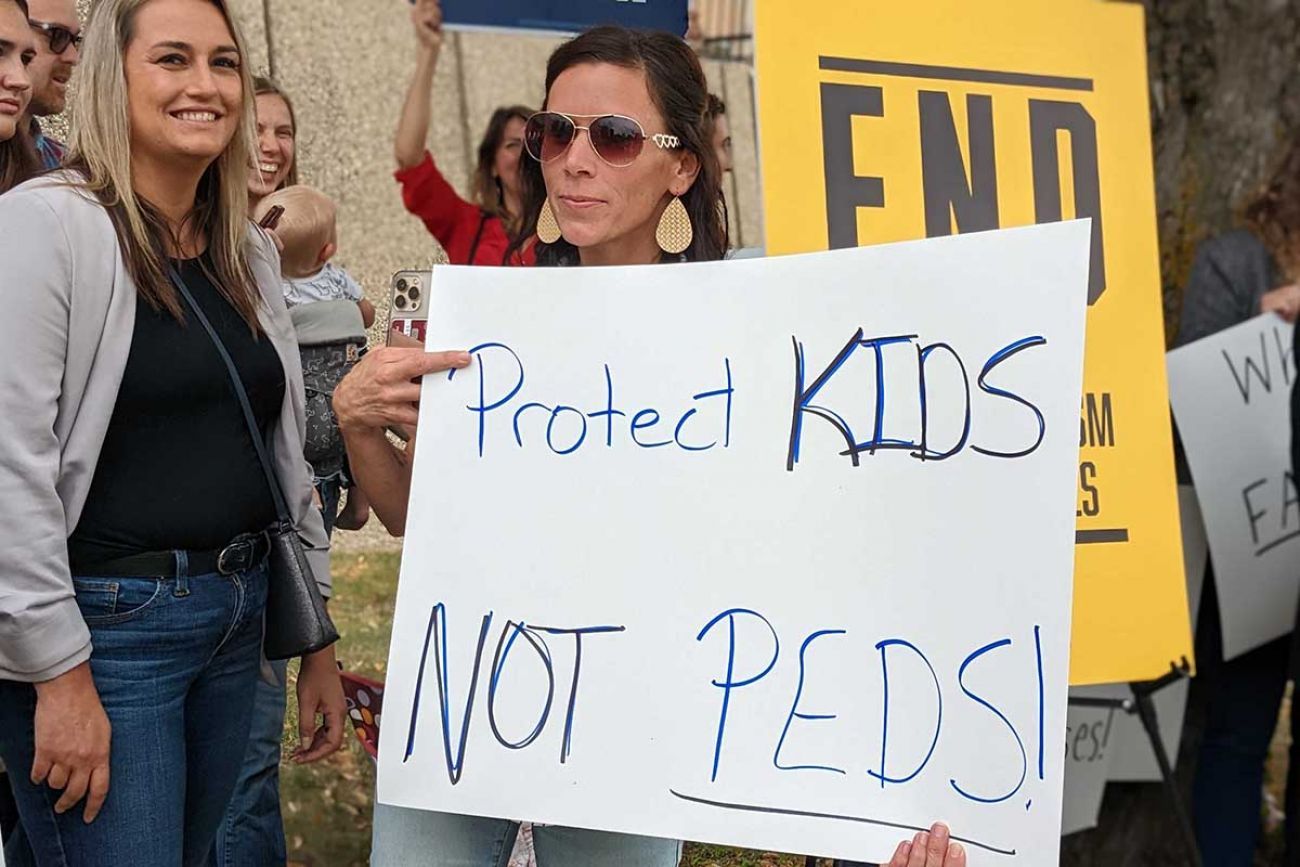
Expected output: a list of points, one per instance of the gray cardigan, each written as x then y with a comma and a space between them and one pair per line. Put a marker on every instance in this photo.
65, 333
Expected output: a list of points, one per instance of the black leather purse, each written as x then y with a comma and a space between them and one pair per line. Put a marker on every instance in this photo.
296, 620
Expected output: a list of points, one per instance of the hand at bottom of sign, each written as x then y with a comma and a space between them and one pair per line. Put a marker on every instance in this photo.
933, 849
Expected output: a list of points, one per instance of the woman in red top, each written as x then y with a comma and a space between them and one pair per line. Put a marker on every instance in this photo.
472, 233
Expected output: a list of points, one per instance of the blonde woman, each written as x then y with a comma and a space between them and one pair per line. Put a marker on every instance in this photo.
133, 573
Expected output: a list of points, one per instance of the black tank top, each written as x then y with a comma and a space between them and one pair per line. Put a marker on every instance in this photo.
178, 469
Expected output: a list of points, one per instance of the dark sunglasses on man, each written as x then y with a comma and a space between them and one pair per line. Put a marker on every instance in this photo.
59, 36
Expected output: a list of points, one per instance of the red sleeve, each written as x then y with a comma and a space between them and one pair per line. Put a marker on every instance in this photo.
448, 217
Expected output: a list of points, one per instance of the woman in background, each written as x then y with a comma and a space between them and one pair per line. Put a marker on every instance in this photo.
17, 163
274, 164
1235, 277
18, 160
472, 233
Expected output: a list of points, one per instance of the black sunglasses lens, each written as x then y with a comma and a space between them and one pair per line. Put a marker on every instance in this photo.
617, 140
548, 135
534, 129
60, 39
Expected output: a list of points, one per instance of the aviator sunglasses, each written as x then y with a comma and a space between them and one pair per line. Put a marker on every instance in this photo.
616, 139
59, 36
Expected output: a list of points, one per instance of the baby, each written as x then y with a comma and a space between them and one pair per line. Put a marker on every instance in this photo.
309, 233
331, 315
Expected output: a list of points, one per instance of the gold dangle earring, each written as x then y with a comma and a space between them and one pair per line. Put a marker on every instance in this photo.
675, 232
548, 228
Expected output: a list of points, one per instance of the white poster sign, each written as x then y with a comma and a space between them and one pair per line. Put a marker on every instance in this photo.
774, 553
1231, 396
1089, 757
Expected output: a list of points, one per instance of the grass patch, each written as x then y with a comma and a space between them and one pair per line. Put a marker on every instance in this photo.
703, 855
327, 805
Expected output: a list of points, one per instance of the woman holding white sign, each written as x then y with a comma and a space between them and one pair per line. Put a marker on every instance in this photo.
1235, 277
623, 173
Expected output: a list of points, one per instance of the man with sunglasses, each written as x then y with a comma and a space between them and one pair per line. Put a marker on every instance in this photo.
58, 48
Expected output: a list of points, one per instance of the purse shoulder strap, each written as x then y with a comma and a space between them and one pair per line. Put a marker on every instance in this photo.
483, 217
237, 384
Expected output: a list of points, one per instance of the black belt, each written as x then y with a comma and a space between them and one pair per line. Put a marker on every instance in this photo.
243, 553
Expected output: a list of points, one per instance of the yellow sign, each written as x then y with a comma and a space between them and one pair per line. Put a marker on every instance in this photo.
901, 119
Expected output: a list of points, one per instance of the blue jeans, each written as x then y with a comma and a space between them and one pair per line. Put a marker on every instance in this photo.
417, 838
1243, 697
175, 662
252, 831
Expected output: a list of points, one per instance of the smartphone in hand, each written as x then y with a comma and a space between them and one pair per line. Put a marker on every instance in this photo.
408, 309
272, 217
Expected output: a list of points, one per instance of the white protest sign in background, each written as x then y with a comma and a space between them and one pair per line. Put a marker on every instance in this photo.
1089, 757
674, 565
1231, 396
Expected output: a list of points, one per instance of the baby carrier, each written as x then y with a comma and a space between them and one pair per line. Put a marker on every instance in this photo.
331, 338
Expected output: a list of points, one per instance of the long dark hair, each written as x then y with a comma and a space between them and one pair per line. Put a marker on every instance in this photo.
680, 91
488, 193
18, 160
1274, 213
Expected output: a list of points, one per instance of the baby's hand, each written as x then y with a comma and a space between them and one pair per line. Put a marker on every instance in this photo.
367, 312
275, 239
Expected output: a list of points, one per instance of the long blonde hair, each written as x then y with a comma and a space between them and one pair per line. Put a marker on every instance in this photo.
99, 152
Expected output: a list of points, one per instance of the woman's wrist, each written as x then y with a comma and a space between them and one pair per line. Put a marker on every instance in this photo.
347, 411
359, 431
426, 56
74, 679
323, 657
